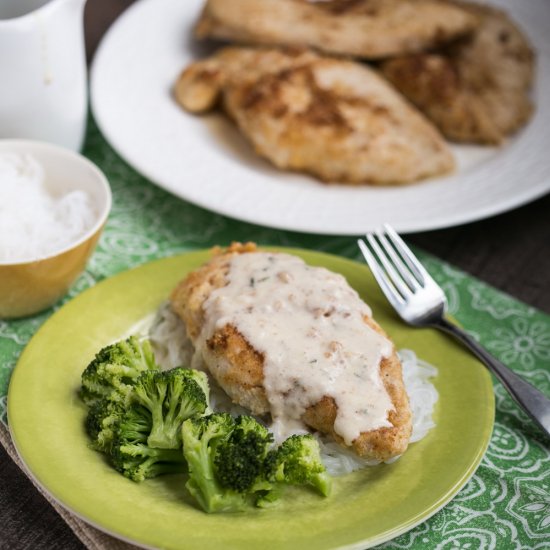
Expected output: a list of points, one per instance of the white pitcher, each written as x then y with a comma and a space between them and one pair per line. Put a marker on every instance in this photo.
43, 87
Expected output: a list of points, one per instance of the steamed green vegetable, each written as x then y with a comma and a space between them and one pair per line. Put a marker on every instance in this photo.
114, 370
151, 422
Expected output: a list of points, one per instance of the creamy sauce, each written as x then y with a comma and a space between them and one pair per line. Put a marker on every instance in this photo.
308, 324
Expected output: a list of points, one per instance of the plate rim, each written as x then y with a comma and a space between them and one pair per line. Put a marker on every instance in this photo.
419, 518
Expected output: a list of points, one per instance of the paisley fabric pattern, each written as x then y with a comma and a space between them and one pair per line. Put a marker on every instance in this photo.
506, 504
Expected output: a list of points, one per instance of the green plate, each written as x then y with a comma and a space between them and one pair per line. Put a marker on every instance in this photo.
366, 507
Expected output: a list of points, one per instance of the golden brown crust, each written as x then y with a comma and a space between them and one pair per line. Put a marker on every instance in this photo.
245, 363
200, 85
371, 29
336, 119
189, 295
238, 367
476, 90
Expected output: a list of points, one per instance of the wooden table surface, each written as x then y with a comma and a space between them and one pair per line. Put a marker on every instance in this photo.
510, 252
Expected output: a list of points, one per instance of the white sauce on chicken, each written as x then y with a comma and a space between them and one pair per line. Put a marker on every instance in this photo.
308, 324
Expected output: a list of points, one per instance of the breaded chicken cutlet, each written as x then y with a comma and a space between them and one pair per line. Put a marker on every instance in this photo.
336, 119
477, 89
370, 29
307, 379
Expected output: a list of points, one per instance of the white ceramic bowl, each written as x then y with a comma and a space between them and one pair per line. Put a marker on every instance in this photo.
29, 286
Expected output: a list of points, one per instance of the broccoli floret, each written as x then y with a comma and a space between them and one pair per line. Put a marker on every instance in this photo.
226, 458
102, 423
114, 370
202, 380
171, 397
231, 465
131, 455
202, 438
298, 462
138, 461
239, 462
134, 425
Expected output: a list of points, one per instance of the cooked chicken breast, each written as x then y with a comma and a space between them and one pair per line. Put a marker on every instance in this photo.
201, 85
364, 28
476, 90
336, 119
240, 368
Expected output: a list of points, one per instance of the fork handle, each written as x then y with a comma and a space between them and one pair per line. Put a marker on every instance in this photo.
533, 401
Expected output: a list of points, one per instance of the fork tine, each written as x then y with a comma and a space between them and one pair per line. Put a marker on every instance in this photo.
406, 274
406, 253
391, 273
393, 297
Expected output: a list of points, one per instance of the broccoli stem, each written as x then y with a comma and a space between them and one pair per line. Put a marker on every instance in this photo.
204, 486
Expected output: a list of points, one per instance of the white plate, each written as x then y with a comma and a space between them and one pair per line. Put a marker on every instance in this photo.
207, 162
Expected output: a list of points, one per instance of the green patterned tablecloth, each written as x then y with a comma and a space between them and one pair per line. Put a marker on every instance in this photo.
506, 504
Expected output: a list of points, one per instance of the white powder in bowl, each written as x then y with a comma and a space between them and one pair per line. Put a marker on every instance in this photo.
33, 223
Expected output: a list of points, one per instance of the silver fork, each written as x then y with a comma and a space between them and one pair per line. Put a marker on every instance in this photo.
420, 301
